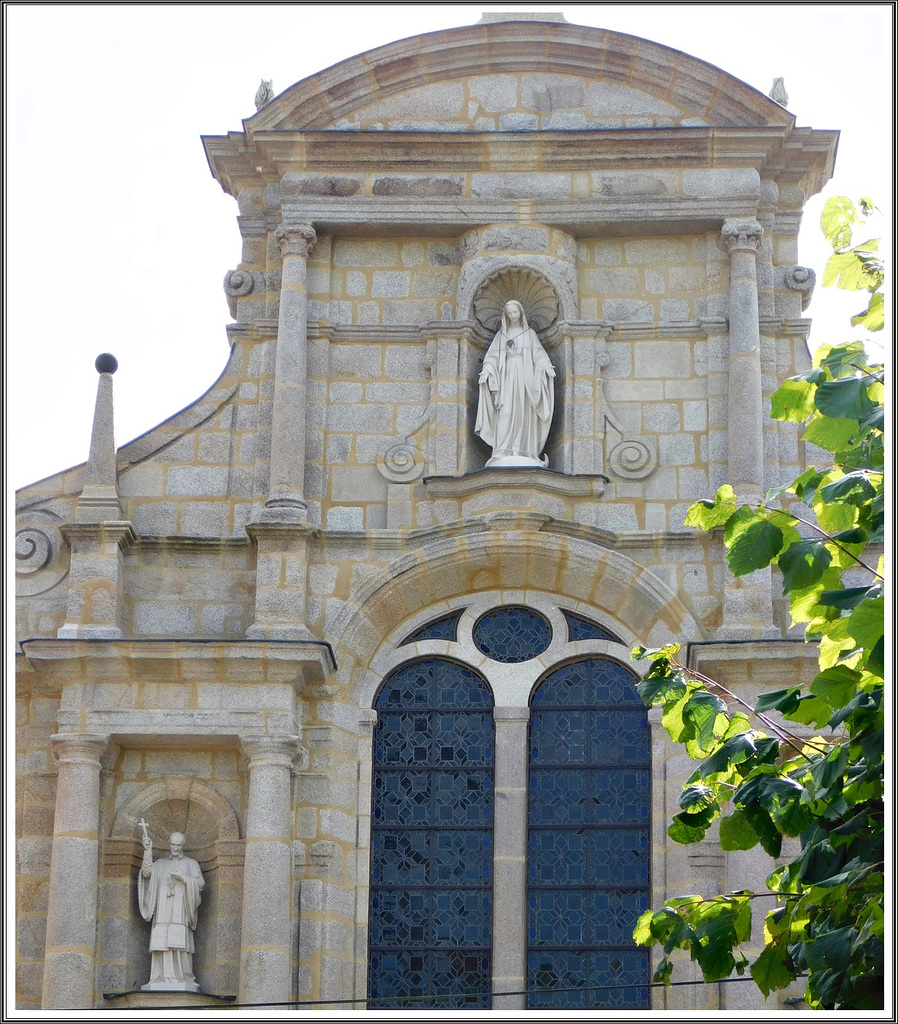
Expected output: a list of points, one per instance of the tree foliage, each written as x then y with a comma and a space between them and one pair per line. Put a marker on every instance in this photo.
761, 778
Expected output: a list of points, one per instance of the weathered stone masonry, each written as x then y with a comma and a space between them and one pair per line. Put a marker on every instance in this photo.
205, 615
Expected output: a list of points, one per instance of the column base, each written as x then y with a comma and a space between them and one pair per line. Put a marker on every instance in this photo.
78, 632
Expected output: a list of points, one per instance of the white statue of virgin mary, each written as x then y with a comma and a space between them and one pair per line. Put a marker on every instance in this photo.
517, 397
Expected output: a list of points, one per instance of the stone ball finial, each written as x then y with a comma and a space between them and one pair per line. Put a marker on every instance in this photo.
106, 363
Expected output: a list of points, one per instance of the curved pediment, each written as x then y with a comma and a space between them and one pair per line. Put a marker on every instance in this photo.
518, 76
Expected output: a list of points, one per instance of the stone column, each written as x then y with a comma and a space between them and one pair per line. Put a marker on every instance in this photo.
280, 531
71, 944
748, 607
265, 942
741, 239
510, 858
286, 485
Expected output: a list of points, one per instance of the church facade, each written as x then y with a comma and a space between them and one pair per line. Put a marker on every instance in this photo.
382, 688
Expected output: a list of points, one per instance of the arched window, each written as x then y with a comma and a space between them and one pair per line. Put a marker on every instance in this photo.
432, 838
589, 840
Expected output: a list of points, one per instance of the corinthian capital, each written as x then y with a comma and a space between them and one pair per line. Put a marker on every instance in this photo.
741, 235
298, 240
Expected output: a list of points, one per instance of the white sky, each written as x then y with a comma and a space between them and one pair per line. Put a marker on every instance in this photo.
118, 237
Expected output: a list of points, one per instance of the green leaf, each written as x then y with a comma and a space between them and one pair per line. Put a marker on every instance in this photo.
856, 269
855, 487
662, 973
828, 771
836, 685
661, 689
642, 933
733, 751
695, 798
778, 700
690, 826
876, 658
736, 833
767, 832
872, 318
803, 564
640, 653
830, 433
773, 969
836, 516
810, 710
701, 710
836, 220
848, 598
793, 400
708, 514
867, 622
846, 398
831, 951
755, 548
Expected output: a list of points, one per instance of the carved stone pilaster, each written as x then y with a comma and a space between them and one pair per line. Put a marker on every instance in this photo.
70, 951
741, 235
748, 606
265, 953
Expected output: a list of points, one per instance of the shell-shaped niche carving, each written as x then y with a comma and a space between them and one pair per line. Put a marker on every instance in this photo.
532, 290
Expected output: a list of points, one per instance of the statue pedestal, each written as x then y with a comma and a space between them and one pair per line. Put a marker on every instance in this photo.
512, 461
170, 986
164, 1000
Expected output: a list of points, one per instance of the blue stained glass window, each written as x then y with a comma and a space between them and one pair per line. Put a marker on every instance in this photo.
581, 628
432, 839
512, 634
589, 841
445, 628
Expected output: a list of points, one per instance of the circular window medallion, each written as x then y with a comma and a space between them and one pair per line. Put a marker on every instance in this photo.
512, 634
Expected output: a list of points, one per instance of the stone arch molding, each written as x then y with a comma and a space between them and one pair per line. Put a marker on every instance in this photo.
178, 803
508, 561
693, 86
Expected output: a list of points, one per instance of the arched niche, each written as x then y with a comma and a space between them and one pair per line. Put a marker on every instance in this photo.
174, 803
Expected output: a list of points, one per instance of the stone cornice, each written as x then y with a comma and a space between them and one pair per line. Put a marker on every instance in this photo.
776, 151
243, 662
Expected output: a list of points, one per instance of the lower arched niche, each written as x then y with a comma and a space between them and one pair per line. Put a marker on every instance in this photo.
192, 806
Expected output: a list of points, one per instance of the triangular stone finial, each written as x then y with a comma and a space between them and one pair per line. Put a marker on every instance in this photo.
99, 501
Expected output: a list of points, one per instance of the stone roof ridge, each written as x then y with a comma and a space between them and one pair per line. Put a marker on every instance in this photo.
491, 17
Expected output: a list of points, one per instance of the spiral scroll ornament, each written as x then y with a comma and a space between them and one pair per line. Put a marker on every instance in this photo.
800, 279
238, 283
38, 563
34, 551
529, 288
400, 463
631, 459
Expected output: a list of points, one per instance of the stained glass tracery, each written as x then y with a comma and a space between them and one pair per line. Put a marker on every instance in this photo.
588, 855
581, 628
512, 634
444, 628
432, 840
